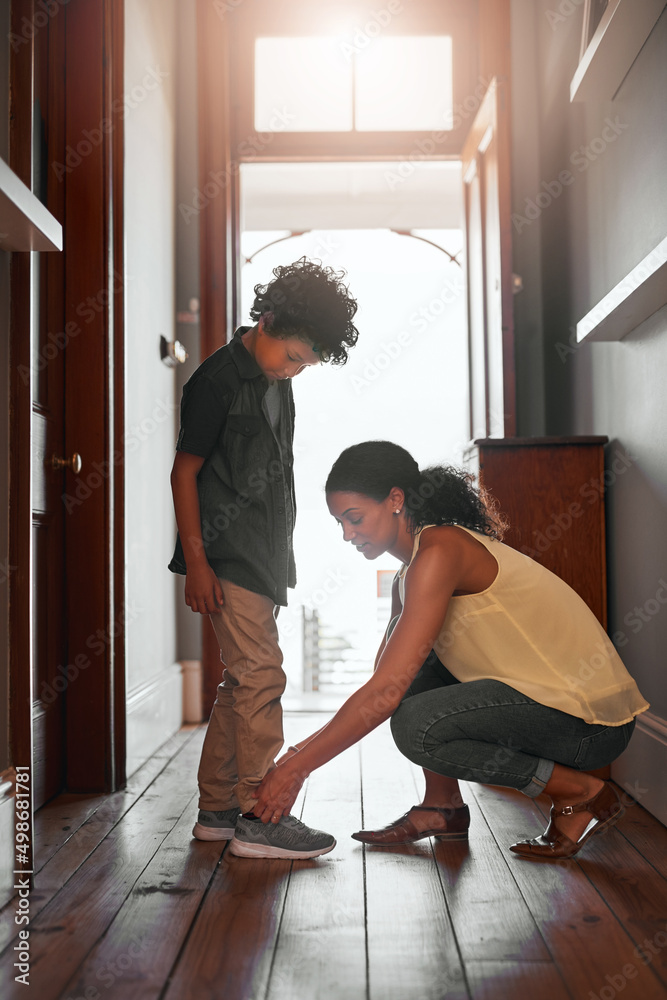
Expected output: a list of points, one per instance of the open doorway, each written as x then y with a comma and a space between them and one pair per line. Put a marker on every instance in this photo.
291, 96
396, 230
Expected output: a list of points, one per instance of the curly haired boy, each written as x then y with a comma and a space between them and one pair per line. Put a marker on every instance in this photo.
233, 490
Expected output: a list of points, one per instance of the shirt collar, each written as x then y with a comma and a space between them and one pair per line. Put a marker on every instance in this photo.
245, 363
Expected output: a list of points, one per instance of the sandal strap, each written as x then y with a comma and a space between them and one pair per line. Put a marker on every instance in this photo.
446, 811
577, 808
590, 804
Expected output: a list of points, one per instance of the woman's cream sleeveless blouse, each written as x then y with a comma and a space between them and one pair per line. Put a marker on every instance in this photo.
530, 630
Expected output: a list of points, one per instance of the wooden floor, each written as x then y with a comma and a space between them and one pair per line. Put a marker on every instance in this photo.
127, 905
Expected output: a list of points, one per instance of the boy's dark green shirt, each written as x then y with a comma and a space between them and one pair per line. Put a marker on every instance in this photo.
246, 484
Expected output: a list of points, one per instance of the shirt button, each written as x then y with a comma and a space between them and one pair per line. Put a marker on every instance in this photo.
281, 510
282, 548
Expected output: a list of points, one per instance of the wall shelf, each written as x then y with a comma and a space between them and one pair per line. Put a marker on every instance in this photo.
640, 294
25, 224
623, 29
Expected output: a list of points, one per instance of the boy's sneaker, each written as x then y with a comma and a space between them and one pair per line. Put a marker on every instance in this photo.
290, 838
216, 825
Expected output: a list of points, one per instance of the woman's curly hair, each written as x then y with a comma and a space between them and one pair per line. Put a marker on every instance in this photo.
440, 494
309, 301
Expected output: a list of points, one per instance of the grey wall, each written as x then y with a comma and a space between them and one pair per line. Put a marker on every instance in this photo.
150, 407
585, 241
526, 248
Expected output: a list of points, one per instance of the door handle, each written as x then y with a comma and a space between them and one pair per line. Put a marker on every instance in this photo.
74, 463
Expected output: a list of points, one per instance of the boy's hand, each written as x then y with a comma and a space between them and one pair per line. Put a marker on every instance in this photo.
203, 592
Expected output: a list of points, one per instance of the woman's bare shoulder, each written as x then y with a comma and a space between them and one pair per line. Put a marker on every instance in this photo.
460, 555
441, 550
448, 537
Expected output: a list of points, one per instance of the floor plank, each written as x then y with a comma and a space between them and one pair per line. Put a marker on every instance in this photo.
645, 833
321, 948
490, 916
66, 929
145, 937
412, 950
509, 980
586, 941
85, 836
633, 890
229, 951
127, 905
59, 819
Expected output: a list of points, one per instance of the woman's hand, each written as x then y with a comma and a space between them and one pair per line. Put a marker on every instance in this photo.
278, 791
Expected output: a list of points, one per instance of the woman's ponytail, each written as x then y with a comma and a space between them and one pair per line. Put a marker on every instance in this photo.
446, 495
440, 494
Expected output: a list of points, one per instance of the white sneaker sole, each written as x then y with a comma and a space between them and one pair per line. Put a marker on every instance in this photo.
243, 849
211, 833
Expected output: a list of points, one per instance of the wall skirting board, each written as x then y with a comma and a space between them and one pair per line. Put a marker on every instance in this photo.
154, 713
642, 769
6, 837
192, 691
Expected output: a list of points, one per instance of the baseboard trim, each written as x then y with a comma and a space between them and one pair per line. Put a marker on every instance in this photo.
154, 714
642, 769
193, 710
652, 724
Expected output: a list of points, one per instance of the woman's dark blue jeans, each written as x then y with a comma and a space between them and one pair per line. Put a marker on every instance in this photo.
487, 731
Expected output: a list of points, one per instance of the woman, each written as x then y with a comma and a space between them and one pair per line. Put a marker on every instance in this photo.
533, 694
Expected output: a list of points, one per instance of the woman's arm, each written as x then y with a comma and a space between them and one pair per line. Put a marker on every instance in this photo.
430, 581
396, 608
298, 746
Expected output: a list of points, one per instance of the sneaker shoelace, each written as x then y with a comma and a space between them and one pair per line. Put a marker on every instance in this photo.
291, 830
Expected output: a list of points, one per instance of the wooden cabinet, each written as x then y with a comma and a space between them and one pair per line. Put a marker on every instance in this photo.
552, 492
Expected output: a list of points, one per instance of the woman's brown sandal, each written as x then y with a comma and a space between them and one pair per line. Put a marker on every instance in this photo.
606, 807
453, 825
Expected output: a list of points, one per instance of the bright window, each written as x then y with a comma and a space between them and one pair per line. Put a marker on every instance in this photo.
404, 84
391, 84
302, 85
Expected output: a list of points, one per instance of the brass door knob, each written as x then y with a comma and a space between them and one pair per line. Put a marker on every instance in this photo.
73, 463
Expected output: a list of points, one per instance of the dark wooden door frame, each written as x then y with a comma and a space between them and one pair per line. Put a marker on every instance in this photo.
94, 398
218, 232
94, 356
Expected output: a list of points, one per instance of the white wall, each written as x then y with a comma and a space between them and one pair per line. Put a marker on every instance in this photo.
153, 679
189, 625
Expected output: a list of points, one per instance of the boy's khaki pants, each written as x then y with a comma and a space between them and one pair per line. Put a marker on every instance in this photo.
245, 731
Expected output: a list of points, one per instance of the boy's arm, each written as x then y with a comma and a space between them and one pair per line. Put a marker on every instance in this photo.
203, 592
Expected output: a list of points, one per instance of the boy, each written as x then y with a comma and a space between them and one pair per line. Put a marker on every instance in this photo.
233, 491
